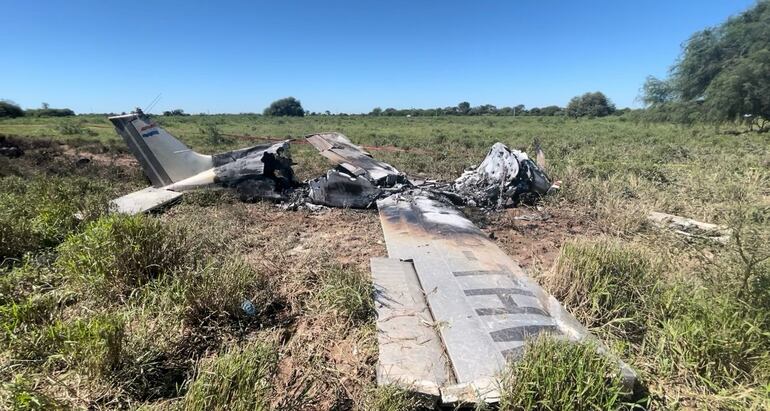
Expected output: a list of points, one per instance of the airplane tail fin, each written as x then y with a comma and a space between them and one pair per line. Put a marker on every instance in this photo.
164, 159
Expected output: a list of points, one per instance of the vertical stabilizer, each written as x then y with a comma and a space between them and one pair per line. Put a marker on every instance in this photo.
165, 159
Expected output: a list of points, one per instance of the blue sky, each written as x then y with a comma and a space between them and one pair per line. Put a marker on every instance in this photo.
342, 56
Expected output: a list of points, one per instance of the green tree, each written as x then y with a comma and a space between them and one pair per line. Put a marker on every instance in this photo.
9, 109
464, 107
594, 104
288, 106
726, 67
741, 89
656, 91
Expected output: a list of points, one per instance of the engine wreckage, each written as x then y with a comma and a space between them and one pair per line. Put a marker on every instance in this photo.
452, 307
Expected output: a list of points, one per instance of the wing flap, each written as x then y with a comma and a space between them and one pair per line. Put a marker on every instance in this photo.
411, 354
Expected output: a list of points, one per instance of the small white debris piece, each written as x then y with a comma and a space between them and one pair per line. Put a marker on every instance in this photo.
483, 390
691, 228
316, 208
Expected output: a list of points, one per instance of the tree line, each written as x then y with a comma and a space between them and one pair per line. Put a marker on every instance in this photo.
9, 109
464, 109
594, 104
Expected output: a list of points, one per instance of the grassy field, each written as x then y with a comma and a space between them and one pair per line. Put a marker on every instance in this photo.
144, 312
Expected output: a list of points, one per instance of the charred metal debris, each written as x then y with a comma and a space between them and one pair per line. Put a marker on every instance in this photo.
503, 179
262, 171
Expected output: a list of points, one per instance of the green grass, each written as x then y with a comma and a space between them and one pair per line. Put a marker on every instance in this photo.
556, 375
19, 394
699, 339
393, 398
238, 379
218, 291
347, 293
118, 253
607, 285
39, 214
146, 311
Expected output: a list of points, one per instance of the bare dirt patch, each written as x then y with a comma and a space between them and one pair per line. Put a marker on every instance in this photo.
534, 237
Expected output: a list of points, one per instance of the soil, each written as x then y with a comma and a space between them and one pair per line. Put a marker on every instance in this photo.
534, 237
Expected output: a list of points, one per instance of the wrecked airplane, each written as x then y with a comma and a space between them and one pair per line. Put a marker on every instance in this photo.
262, 171
452, 308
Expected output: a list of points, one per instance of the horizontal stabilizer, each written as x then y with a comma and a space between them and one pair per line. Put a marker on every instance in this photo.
143, 200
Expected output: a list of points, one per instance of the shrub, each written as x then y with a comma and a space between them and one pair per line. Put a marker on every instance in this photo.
590, 105
118, 253
50, 112
749, 271
213, 135
605, 284
558, 375
71, 129
175, 112
40, 212
239, 379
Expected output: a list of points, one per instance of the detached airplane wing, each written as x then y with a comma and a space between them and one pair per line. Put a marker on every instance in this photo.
453, 308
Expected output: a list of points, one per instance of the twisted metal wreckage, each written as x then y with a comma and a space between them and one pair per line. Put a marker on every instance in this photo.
452, 307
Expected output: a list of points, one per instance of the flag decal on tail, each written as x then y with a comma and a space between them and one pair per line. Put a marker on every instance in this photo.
153, 130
